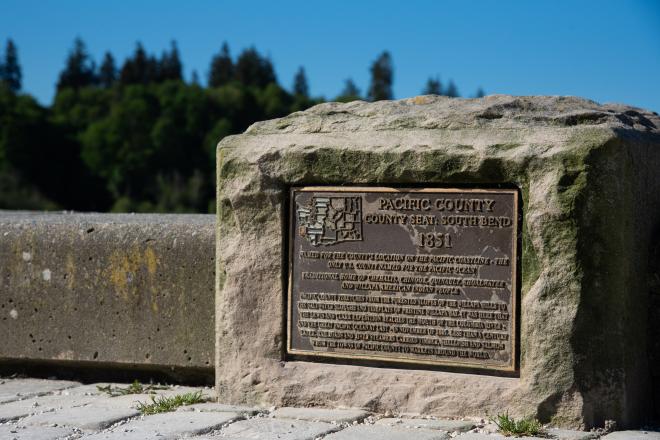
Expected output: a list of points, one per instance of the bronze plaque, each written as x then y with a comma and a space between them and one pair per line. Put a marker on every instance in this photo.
421, 276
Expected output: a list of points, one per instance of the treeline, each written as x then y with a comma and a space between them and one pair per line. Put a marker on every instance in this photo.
139, 137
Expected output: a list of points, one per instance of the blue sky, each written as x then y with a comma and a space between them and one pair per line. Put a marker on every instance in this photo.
604, 50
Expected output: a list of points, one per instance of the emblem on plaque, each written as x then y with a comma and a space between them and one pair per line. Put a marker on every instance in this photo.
331, 220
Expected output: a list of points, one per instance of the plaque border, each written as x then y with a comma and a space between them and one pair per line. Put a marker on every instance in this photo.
389, 361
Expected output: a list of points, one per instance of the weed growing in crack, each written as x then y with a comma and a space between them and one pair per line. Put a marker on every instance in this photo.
134, 388
160, 404
524, 427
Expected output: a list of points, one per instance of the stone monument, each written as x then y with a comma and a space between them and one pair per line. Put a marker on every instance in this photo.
452, 257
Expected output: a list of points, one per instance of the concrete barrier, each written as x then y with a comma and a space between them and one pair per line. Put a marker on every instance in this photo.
108, 290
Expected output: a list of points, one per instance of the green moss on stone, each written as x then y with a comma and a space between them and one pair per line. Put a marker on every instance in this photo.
530, 265
231, 168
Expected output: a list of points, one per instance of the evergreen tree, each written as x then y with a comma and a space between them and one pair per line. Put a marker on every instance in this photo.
349, 93
300, 86
222, 67
147, 147
194, 78
170, 67
140, 68
452, 90
107, 71
480, 93
382, 76
80, 70
254, 70
10, 70
433, 87
350, 89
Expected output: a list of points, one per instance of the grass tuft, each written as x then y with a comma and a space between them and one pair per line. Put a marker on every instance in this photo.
524, 427
134, 388
161, 404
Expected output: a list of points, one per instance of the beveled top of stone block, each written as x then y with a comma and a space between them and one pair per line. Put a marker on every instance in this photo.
441, 112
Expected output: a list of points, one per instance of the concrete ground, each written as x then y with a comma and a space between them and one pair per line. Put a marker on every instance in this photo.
41, 409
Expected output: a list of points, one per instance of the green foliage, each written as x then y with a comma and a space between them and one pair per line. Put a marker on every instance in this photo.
194, 78
154, 144
254, 70
169, 67
10, 69
222, 68
75, 109
274, 100
27, 159
118, 147
451, 90
382, 77
300, 86
143, 68
135, 388
524, 427
140, 68
79, 71
433, 86
219, 131
21, 119
161, 404
136, 137
349, 93
16, 193
107, 71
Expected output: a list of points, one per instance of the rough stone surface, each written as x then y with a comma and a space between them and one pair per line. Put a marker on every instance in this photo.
566, 434
442, 425
89, 417
107, 289
167, 426
321, 414
85, 412
92, 391
130, 400
479, 436
485, 436
267, 429
379, 432
220, 407
53, 395
16, 389
83, 406
37, 405
12, 432
633, 435
654, 316
590, 198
